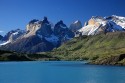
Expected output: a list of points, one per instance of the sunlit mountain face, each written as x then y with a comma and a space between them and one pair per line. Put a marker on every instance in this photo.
41, 35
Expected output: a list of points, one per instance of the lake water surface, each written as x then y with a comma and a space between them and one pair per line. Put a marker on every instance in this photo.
59, 72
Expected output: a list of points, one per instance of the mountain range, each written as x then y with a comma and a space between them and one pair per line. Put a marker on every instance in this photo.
42, 36
39, 36
97, 25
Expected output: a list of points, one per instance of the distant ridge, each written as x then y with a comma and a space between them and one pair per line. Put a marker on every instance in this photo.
42, 36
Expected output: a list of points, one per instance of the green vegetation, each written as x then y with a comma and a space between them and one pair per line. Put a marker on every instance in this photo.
91, 47
14, 56
104, 49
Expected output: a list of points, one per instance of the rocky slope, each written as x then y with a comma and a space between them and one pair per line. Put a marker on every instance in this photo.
31, 44
94, 48
12, 36
100, 40
38, 37
112, 60
1, 37
75, 26
97, 25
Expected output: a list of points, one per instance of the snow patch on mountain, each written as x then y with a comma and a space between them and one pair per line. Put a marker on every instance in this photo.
53, 39
63, 26
75, 26
98, 24
76, 21
4, 43
119, 17
87, 29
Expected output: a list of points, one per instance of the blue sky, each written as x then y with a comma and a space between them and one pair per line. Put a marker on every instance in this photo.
17, 13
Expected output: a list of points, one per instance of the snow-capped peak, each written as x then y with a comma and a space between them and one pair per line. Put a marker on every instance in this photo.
11, 36
99, 24
53, 39
118, 17
4, 43
75, 26
76, 21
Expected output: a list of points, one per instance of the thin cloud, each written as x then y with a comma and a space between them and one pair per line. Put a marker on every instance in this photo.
1, 31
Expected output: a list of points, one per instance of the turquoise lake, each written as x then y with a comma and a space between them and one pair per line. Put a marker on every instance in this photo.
59, 72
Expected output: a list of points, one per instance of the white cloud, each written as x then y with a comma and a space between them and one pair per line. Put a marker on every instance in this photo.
1, 31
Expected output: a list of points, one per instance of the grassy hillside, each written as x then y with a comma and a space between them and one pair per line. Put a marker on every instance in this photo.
92, 47
99, 49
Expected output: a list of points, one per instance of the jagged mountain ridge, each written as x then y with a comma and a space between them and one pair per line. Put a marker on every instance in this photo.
97, 25
38, 37
75, 26
11, 36
41, 35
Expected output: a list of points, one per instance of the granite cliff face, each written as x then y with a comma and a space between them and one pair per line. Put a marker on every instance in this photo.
38, 37
36, 27
30, 44
75, 26
13, 34
42, 35
62, 32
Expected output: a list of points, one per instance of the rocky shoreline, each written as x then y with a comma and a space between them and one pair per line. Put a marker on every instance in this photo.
112, 60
